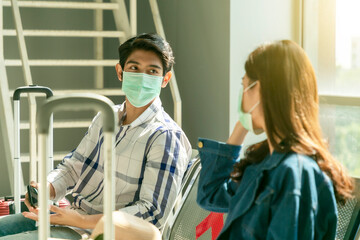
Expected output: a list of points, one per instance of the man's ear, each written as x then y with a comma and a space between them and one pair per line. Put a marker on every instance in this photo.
119, 71
167, 78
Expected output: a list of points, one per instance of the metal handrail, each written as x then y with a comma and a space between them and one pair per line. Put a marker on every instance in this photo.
77, 102
173, 83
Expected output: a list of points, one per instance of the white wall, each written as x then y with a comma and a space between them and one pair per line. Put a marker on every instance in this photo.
251, 24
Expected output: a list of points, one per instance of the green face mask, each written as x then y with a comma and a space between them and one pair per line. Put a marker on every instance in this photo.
141, 88
245, 118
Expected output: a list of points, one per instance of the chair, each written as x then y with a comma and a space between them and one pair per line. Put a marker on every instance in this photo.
349, 217
131, 227
190, 221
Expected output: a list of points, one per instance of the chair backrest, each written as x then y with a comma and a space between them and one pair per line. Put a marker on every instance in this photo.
349, 217
190, 221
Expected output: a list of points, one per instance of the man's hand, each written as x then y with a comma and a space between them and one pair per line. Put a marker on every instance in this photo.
66, 216
27, 202
60, 216
36, 185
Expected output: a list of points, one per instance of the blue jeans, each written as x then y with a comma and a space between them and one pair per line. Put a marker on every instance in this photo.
17, 227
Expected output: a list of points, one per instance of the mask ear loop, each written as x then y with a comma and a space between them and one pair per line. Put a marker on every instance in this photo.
252, 109
250, 86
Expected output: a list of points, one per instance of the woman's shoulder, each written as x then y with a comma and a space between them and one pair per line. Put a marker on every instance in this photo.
297, 169
298, 161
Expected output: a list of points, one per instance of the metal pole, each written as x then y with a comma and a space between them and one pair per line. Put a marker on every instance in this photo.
44, 218
133, 17
98, 47
109, 191
28, 79
6, 114
33, 140
121, 19
51, 145
1, 29
21, 42
17, 163
173, 83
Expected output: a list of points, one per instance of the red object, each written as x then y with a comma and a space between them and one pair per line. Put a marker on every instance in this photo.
215, 221
7, 205
4, 207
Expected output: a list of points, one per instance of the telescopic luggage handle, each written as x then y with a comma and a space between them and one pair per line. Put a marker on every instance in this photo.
17, 161
32, 89
76, 102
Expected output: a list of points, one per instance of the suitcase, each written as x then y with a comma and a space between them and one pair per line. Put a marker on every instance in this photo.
10, 205
76, 102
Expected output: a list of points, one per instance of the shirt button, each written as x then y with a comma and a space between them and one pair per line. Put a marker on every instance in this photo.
200, 144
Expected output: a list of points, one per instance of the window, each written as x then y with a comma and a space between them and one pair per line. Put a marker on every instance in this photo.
347, 47
331, 38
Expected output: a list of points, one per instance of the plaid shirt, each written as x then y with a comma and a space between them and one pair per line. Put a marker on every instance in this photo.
151, 155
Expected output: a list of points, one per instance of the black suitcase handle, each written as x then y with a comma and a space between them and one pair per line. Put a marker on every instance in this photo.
32, 89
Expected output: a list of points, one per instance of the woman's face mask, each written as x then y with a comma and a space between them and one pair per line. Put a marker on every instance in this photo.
141, 88
245, 118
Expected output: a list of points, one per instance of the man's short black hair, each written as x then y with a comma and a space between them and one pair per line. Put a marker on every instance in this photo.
149, 42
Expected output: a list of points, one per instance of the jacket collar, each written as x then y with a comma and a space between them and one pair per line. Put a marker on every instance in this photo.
272, 161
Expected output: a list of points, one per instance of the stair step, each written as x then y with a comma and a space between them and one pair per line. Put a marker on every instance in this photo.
63, 62
62, 124
66, 33
105, 92
58, 156
69, 5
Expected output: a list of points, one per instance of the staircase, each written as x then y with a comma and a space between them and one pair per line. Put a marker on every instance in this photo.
123, 29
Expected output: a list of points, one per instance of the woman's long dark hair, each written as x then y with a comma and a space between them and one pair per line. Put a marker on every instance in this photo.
290, 103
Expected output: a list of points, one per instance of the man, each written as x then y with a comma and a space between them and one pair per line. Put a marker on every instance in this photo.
152, 153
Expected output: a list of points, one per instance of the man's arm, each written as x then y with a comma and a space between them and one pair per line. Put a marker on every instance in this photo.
166, 163
65, 176
167, 160
128, 227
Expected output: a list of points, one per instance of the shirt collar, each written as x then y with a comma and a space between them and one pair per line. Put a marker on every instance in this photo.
147, 115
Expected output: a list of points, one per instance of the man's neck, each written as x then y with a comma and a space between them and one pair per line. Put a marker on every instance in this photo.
133, 113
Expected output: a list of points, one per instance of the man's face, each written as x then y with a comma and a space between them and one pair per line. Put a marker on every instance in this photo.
141, 61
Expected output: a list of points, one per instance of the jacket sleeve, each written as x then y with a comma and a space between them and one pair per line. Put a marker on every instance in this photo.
215, 187
67, 173
167, 160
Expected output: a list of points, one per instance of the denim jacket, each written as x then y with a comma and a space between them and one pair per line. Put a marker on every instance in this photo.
286, 196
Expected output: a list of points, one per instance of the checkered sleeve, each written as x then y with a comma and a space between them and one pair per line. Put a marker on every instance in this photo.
161, 178
66, 174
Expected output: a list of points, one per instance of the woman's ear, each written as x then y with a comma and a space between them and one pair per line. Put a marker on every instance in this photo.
167, 78
119, 71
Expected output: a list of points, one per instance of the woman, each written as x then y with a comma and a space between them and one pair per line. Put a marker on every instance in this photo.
287, 186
